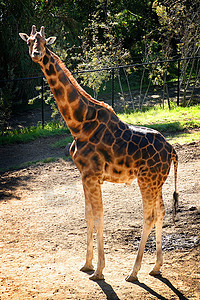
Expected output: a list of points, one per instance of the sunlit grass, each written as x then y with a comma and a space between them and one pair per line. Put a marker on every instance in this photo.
183, 138
176, 119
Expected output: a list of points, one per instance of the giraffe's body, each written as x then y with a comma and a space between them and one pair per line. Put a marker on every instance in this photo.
106, 149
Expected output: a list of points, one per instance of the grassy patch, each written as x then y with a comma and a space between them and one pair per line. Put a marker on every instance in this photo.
176, 119
183, 138
27, 134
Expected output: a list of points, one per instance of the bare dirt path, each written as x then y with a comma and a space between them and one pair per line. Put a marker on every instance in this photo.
43, 236
17, 154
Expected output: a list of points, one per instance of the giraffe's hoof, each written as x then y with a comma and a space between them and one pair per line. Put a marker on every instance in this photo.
131, 278
96, 277
155, 273
86, 268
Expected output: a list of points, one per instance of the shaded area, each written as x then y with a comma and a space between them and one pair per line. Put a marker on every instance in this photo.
10, 184
106, 287
13, 156
178, 240
111, 294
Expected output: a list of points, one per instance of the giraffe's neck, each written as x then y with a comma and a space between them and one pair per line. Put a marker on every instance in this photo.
68, 99
75, 105
71, 99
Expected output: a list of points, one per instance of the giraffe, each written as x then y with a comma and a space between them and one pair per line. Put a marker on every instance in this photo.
107, 149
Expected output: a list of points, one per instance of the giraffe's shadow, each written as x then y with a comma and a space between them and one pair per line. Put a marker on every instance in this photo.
170, 285
111, 294
165, 281
108, 290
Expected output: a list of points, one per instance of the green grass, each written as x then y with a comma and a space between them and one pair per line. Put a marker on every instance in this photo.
175, 120
183, 138
180, 117
27, 134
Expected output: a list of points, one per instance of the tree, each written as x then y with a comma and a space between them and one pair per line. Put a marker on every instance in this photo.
179, 33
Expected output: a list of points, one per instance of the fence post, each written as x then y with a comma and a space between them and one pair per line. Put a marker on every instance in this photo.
178, 84
113, 87
42, 98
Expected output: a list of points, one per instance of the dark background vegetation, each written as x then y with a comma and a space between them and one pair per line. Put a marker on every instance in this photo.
95, 34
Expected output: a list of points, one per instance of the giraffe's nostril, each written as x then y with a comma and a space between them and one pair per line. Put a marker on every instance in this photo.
35, 53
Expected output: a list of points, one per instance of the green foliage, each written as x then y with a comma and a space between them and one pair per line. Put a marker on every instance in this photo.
179, 35
179, 22
5, 108
101, 48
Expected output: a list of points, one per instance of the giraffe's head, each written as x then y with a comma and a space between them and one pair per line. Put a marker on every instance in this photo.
37, 43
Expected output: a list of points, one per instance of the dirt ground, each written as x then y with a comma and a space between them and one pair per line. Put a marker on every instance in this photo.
43, 232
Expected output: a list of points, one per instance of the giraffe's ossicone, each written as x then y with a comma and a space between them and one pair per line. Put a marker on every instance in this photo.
107, 149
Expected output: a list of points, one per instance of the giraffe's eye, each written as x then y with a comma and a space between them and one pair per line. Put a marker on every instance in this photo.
28, 42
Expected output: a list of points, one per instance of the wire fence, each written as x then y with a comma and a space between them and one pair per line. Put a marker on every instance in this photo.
132, 86
139, 84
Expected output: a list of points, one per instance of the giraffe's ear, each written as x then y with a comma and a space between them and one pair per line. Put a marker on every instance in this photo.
50, 40
24, 36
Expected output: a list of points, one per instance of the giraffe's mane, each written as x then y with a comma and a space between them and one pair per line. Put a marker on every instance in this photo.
77, 85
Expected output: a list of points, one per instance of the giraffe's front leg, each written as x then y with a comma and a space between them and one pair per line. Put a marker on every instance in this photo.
89, 254
98, 223
89, 220
94, 212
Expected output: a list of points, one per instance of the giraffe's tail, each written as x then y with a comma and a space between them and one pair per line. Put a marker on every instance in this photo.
175, 195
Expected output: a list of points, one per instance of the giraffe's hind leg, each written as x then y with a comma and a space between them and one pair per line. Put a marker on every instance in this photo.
149, 198
160, 213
